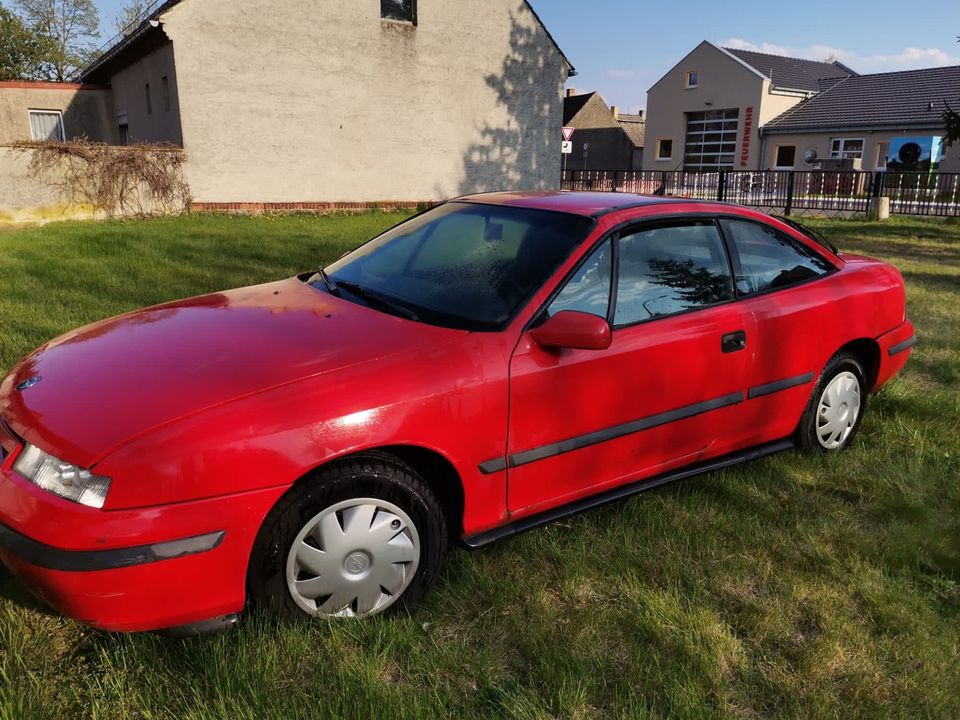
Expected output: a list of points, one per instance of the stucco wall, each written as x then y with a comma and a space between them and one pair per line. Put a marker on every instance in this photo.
307, 101
86, 110
776, 103
724, 84
129, 98
821, 143
25, 199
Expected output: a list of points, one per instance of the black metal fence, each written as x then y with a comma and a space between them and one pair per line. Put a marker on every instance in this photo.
787, 191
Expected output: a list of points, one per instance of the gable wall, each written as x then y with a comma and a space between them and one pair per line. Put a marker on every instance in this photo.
314, 100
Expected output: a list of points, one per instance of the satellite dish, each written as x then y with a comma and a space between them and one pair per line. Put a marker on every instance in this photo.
910, 153
810, 156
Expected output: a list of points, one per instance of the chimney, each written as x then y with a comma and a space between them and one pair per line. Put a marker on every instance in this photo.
571, 92
616, 112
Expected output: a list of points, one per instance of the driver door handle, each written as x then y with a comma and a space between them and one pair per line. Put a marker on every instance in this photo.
733, 342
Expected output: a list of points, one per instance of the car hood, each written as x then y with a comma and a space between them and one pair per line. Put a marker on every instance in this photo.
104, 384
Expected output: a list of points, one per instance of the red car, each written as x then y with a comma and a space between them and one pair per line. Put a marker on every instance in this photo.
485, 367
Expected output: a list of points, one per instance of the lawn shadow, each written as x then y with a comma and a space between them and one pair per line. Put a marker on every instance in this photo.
936, 282
13, 590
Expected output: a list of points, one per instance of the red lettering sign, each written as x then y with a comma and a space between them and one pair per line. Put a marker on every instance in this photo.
747, 132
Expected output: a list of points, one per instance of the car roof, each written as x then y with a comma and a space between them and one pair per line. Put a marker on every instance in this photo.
589, 204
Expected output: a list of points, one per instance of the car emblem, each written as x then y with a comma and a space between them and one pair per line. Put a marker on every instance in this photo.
28, 383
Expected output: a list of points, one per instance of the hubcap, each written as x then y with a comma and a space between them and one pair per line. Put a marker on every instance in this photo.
355, 558
838, 410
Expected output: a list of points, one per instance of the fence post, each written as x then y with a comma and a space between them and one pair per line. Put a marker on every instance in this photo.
722, 186
878, 184
789, 207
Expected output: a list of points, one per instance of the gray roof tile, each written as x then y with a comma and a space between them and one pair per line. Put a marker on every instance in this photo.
791, 73
635, 128
573, 104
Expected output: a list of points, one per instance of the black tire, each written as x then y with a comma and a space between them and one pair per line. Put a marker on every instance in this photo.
806, 432
378, 476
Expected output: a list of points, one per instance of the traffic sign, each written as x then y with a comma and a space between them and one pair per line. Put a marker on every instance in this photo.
566, 147
567, 133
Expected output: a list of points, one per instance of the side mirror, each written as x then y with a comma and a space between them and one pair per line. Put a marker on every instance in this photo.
572, 329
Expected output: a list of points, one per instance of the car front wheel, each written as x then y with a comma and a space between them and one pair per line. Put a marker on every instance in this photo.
835, 410
359, 537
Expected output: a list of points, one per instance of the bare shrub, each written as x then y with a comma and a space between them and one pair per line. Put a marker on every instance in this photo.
135, 180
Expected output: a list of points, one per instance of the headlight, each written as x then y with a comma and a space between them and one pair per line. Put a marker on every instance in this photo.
61, 478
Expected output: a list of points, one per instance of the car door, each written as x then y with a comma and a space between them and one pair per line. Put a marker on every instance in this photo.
666, 390
799, 322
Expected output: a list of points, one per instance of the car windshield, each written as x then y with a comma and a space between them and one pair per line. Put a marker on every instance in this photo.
461, 265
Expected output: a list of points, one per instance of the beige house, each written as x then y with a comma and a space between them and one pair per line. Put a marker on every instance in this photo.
45, 111
705, 113
311, 102
723, 108
856, 119
54, 111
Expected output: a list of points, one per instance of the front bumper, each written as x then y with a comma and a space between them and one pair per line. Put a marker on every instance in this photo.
130, 570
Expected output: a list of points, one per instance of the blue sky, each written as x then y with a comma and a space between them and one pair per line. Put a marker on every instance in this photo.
621, 47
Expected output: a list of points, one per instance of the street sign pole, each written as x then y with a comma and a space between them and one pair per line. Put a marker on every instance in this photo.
566, 147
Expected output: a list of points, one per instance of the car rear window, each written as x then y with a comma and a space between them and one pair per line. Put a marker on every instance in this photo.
769, 259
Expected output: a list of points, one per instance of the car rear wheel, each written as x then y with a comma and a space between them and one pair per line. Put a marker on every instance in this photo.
359, 537
835, 410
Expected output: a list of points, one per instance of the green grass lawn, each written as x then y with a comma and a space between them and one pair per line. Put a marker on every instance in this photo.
797, 586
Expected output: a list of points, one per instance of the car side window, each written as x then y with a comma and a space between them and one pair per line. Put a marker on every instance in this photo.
770, 259
588, 291
671, 269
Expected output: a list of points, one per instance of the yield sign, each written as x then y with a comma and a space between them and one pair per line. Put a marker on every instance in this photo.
567, 133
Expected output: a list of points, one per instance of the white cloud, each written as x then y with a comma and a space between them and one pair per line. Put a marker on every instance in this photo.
907, 59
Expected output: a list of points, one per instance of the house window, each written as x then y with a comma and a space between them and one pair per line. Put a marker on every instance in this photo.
146, 92
664, 148
402, 10
846, 148
123, 128
786, 157
711, 142
691, 79
165, 91
46, 125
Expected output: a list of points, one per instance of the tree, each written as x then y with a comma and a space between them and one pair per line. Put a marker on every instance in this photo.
21, 48
72, 26
951, 118
131, 15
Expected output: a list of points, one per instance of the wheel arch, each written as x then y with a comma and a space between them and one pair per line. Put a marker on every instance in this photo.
437, 471
867, 351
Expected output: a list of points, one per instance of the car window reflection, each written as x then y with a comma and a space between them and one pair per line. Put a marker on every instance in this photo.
669, 270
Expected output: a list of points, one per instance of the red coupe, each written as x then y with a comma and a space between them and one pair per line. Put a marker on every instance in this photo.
485, 367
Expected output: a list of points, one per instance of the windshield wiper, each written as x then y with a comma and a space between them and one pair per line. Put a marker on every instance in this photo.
377, 299
331, 288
